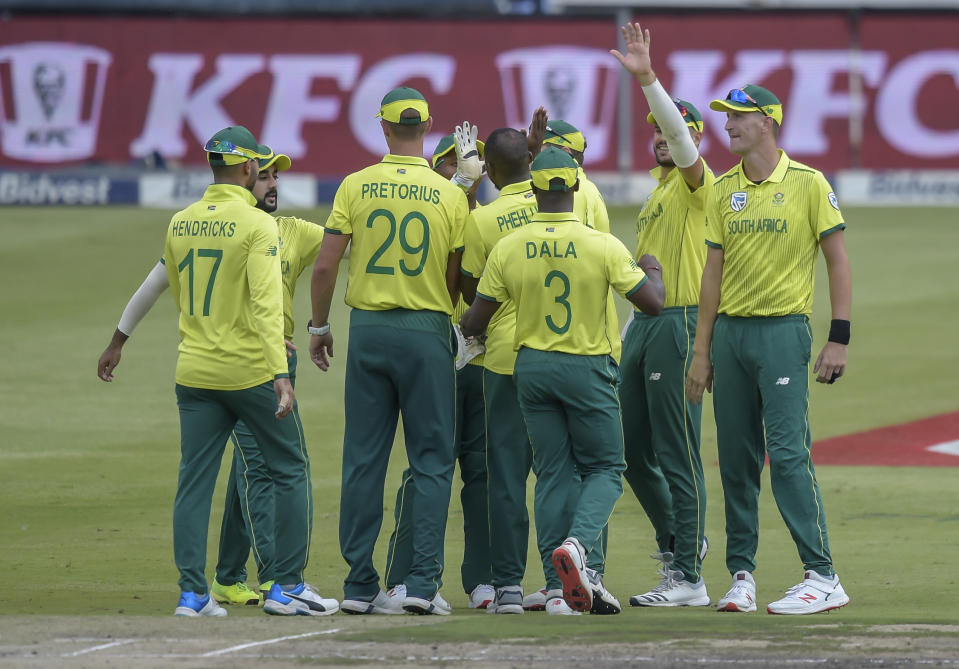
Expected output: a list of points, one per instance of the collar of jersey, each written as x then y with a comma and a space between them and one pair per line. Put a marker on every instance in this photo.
518, 187
222, 192
405, 160
779, 173
555, 217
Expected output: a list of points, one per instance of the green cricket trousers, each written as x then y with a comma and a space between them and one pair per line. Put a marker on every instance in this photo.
662, 433
248, 510
761, 401
571, 407
470, 440
207, 417
398, 362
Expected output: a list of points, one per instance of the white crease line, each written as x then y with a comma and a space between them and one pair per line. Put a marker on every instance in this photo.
243, 646
93, 649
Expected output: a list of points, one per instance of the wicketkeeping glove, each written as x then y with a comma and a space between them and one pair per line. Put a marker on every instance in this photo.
468, 165
466, 349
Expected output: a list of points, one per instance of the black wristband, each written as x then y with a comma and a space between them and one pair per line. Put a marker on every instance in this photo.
839, 331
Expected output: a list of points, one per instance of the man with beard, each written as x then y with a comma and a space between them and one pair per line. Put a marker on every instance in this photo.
661, 427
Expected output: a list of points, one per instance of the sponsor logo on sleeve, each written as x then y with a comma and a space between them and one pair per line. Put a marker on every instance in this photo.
833, 201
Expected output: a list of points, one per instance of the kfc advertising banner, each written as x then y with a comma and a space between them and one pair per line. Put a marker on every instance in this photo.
112, 90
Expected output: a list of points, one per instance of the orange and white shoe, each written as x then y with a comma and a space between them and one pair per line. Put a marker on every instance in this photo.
741, 597
570, 564
815, 594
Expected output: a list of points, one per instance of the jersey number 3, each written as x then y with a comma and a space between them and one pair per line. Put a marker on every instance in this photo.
187, 264
561, 299
422, 249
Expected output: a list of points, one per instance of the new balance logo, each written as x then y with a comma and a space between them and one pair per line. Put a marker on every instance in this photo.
782, 381
809, 598
655, 376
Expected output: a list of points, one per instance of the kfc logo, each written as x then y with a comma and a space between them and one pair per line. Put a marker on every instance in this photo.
575, 84
57, 95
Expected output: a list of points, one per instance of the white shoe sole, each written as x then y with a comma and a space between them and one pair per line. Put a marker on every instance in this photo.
424, 607
505, 609
275, 608
732, 607
830, 606
358, 607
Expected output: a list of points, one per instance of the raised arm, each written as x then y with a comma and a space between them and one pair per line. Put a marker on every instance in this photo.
668, 116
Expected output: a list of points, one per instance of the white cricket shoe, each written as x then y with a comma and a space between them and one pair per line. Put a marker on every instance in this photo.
482, 596
678, 592
436, 606
509, 599
383, 604
192, 605
604, 604
535, 601
816, 593
557, 606
665, 561
300, 600
569, 561
741, 596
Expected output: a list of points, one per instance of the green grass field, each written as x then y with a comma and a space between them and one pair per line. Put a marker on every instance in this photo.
89, 468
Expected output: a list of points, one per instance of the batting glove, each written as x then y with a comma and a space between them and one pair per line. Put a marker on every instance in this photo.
466, 349
468, 165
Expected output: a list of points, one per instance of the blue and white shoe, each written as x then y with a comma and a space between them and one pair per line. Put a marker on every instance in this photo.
301, 600
192, 605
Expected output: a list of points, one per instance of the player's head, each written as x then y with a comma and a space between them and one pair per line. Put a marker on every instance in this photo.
555, 176
405, 115
694, 121
233, 154
507, 157
567, 137
444, 156
265, 188
753, 117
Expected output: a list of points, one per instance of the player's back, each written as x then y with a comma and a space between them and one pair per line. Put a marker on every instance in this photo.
405, 220
219, 252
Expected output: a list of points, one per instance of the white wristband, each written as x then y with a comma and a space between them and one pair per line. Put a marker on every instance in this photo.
681, 146
320, 331
462, 181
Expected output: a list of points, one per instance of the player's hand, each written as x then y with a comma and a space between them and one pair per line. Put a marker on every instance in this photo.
468, 166
284, 397
700, 378
831, 363
636, 60
290, 348
467, 348
537, 131
648, 262
321, 350
108, 362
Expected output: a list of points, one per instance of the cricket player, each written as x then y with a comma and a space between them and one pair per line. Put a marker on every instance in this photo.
507, 449
661, 427
406, 226
452, 159
558, 273
223, 266
247, 518
766, 220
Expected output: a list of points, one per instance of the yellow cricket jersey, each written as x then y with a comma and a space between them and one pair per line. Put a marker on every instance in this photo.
589, 206
511, 211
672, 227
559, 272
405, 221
770, 233
223, 264
300, 243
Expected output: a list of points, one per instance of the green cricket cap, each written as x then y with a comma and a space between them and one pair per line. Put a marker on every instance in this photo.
398, 101
751, 98
564, 134
281, 160
690, 114
234, 145
552, 163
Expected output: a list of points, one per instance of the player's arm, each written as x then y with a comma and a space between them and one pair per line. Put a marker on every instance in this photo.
637, 62
700, 376
831, 363
139, 305
322, 285
651, 295
478, 316
468, 286
453, 274
537, 131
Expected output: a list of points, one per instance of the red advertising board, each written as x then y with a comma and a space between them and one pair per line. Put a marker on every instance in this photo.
80, 90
